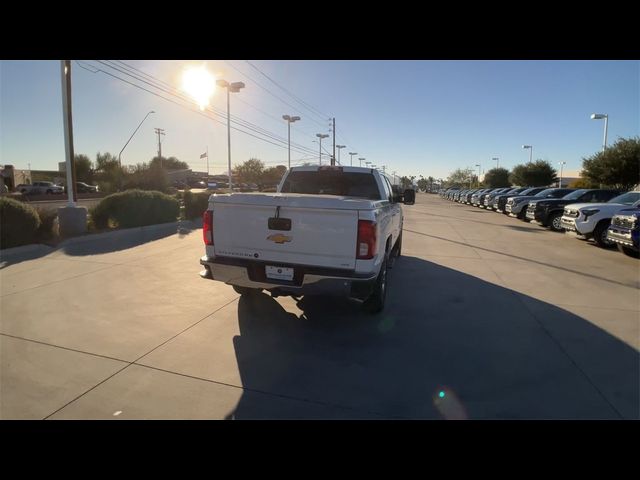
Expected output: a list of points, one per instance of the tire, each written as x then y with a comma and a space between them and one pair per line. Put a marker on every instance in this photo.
521, 215
49, 192
600, 235
554, 222
399, 246
375, 303
246, 290
630, 252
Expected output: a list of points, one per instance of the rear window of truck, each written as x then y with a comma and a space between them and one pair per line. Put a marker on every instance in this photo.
332, 182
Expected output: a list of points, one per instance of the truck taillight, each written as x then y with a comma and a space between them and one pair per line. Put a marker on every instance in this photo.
366, 246
207, 227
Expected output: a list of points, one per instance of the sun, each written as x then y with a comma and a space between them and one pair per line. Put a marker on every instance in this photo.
199, 84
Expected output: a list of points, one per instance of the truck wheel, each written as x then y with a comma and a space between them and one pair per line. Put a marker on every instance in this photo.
246, 290
600, 235
522, 215
49, 192
629, 251
375, 303
554, 222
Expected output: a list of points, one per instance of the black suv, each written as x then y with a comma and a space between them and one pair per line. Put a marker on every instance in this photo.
548, 212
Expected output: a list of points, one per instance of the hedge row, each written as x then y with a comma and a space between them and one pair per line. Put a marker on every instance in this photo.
135, 208
19, 223
195, 204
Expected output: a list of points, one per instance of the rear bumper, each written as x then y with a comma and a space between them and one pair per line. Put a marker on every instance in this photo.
308, 280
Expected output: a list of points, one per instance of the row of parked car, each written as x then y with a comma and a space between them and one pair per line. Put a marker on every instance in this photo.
608, 217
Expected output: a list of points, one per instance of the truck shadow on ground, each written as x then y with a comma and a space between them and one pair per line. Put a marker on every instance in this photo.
447, 346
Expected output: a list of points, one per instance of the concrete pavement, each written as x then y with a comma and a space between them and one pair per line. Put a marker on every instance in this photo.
487, 317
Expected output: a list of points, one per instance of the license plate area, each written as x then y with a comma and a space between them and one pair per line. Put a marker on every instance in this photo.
278, 273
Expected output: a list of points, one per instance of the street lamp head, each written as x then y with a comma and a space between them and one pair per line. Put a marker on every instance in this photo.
321, 135
598, 116
222, 83
353, 153
478, 165
526, 146
152, 111
286, 117
295, 119
236, 86
340, 146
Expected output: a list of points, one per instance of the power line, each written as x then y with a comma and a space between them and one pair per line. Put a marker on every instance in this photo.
269, 91
309, 107
236, 119
220, 113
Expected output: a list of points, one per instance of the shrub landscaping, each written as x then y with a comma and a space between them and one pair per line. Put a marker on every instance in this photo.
19, 223
135, 208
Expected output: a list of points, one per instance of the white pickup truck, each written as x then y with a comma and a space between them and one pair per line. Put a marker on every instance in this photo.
327, 230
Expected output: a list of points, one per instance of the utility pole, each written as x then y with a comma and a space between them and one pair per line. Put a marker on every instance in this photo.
160, 131
68, 133
320, 137
352, 154
333, 157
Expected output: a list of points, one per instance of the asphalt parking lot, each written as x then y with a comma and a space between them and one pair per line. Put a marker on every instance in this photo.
487, 317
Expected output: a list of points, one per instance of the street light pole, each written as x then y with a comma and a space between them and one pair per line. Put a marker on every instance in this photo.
497, 159
339, 147
478, 165
290, 120
352, 154
560, 181
134, 132
231, 88
600, 116
530, 147
321, 136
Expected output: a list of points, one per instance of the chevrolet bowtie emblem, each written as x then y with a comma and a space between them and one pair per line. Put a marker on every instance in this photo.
279, 238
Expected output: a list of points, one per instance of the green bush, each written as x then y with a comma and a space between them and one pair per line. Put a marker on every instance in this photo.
195, 204
47, 229
19, 223
135, 208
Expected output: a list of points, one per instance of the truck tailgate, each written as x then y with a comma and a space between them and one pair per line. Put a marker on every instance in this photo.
322, 237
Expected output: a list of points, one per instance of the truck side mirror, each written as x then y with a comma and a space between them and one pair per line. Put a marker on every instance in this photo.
409, 196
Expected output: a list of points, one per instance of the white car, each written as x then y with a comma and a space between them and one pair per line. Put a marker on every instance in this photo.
591, 220
328, 230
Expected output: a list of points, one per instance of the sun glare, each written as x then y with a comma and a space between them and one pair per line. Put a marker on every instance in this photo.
199, 84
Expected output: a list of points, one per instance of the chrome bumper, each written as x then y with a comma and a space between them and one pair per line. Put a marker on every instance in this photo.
243, 274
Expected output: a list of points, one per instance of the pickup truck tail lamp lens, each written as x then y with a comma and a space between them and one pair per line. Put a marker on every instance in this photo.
366, 245
207, 227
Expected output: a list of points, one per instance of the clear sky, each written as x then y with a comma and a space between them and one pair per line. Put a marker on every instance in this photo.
415, 117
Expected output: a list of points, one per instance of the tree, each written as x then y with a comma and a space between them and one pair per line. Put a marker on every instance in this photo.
171, 163
423, 184
431, 180
497, 177
617, 167
460, 177
533, 174
272, 175
84, 168
250, 171
108, 173
147, 177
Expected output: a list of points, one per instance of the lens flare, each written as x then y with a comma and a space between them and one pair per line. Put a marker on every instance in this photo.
199, 84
